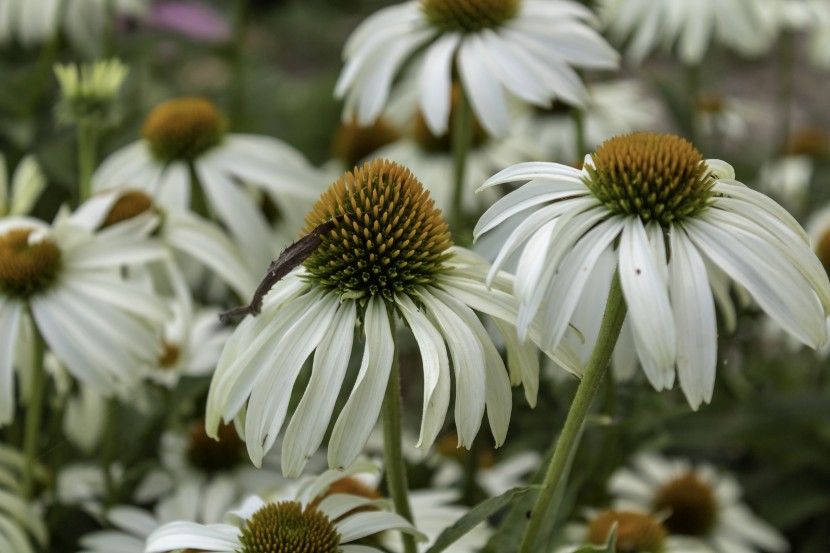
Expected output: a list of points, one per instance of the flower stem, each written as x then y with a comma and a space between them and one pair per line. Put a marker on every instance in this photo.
787, 63
609, 331
108, 450
392, 449
462, 135
34, 412
87, 138
198, 201
579, 126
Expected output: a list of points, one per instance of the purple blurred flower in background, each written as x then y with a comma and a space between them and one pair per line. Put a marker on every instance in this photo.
192, 19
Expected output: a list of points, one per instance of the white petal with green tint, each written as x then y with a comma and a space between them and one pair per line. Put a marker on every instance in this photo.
359, 415
361, 525
222, 538
10, 312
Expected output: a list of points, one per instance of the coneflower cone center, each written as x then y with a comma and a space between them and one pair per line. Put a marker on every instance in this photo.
184, 128
469, 15
690, 503
130, 204
658, 177
388, 235
211, 455
636, 532
289, 528
26, 269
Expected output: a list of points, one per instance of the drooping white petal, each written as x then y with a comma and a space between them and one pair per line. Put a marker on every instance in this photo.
468, 362
482, 87
272, 388
10, 312
434, 83
361, 411
361, 525
649, 309
308, 424
436, 366
694, 318
531, 170
222, 538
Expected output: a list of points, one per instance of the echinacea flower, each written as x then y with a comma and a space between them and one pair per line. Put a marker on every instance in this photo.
526, 49
690, 26
187, 161
699, 502
67, 282
667, 216
308, 521
388, 256
636, 532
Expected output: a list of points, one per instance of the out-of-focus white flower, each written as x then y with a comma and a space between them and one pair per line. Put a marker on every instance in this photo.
27, 183
22, 529
525, 48
33, 22
697, 501
187, 162
717, 115
100, 326
690, 26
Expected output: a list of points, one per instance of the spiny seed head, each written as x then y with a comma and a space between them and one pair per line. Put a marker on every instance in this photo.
212, 455
27, 268
353, 143
690, 503
636, 532
391, 237
288, 528
658, 177
131, 204
443, 144
184, 128
469, 16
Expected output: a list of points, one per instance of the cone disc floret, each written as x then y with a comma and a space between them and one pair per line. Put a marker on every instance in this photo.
287, 527
131, 204
184, 128
658, 177
469, 15
214, 455
690, 503
636, 532
388, 236
27, 267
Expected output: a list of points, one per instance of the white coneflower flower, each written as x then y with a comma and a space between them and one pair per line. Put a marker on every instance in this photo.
130, 526
527, 48
27, 183
309, 521
69, 280
691, 26
787, 177
388, 256
697, 502
664, 213
721, 116
186, 157
636, 532
22, 530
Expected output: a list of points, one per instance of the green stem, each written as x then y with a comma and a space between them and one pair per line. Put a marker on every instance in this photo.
693, 93
462, 136
87, 138
34, 413
236, 55
108, 451
786, 78
579, 127
609, 331
198, 201
393, 449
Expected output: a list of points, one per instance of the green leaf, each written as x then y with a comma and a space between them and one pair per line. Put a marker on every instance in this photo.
476, 515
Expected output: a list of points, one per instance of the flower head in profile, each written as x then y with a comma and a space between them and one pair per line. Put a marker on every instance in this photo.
88, 91
66, 281
311, 520
526, 49
187, 160
389, 256
698, 502
673, 223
